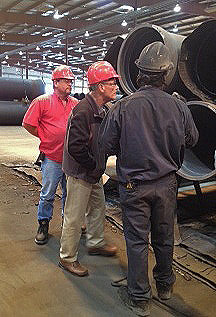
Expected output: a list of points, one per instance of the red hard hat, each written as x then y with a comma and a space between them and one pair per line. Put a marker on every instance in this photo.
62, 71
100, 71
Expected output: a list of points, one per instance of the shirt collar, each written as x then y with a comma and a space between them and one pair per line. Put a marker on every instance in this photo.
56, 96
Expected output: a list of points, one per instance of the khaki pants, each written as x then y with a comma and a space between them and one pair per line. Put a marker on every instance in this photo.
83, 199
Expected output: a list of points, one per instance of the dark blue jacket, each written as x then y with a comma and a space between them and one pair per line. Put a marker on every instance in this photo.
148, 132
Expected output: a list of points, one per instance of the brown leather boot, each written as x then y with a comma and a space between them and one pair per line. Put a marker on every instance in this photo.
73, 267
105, 250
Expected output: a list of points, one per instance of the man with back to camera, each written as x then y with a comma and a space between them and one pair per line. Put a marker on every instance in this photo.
47, 119
148, 132
84, 168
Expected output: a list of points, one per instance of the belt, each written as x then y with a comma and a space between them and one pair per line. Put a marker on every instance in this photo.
137, 182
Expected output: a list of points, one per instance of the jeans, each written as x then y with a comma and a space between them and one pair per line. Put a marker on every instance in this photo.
52, 175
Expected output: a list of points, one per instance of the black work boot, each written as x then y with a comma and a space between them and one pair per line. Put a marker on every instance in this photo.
139, 307
164, 290
42, 233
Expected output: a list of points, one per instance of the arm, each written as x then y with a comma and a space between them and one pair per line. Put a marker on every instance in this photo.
191, 132
31, 129
109, 133
78, 139
32, 117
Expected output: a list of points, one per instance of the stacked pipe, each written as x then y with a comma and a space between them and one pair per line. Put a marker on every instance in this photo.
193, 77
15, 97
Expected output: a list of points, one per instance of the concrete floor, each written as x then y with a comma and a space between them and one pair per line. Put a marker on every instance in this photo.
32, 284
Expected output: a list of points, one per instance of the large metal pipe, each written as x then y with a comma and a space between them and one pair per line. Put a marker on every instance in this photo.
199, 162
12, 112
17, 88
197, 62
131, 48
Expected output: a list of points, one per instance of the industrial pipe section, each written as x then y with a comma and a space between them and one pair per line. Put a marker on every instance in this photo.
17, 88
199, 162
15, 97
12, 112
197, 62
131, 48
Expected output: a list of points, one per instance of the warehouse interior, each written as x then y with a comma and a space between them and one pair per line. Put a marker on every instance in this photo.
37, 36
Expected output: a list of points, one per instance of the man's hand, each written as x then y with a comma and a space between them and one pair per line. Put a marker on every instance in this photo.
31, 129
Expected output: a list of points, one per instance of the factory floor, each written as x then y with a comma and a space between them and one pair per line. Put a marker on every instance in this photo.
32, 284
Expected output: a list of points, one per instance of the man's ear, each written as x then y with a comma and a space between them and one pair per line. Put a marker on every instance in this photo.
54, 82
101, 87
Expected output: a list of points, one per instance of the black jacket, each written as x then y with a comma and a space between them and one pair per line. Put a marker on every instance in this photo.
81, 158
148, 131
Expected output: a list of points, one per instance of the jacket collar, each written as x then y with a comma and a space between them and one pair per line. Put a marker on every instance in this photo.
94, 106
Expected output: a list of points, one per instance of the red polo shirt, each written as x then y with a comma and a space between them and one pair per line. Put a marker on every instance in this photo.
50, 116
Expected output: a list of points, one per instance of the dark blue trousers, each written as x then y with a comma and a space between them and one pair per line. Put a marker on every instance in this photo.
149, 207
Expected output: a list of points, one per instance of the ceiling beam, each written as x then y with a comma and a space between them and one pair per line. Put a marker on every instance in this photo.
34, 5
138, 3
102, 24
197, 9
24, 39
11, 5
45, 21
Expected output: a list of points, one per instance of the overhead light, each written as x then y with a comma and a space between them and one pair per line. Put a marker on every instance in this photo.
82, 58
47, 33
81, 42
50, 63
30, 61
177, 8
126, 8
86, 34
57, 15
80, 49
104, 44
20, 52
60, 53
44, 57
59, 42
6, 56
124, 23
175, 29
47, 13
37, 65
37, 48
103, 53
35, 33
18, 63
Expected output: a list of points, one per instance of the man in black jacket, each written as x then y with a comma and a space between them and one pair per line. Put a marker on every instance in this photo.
148, 132
84, 167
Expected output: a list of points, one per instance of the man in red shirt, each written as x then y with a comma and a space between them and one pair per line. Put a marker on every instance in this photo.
47, 119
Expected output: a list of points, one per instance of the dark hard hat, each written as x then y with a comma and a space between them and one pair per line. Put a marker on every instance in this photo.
155, 58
